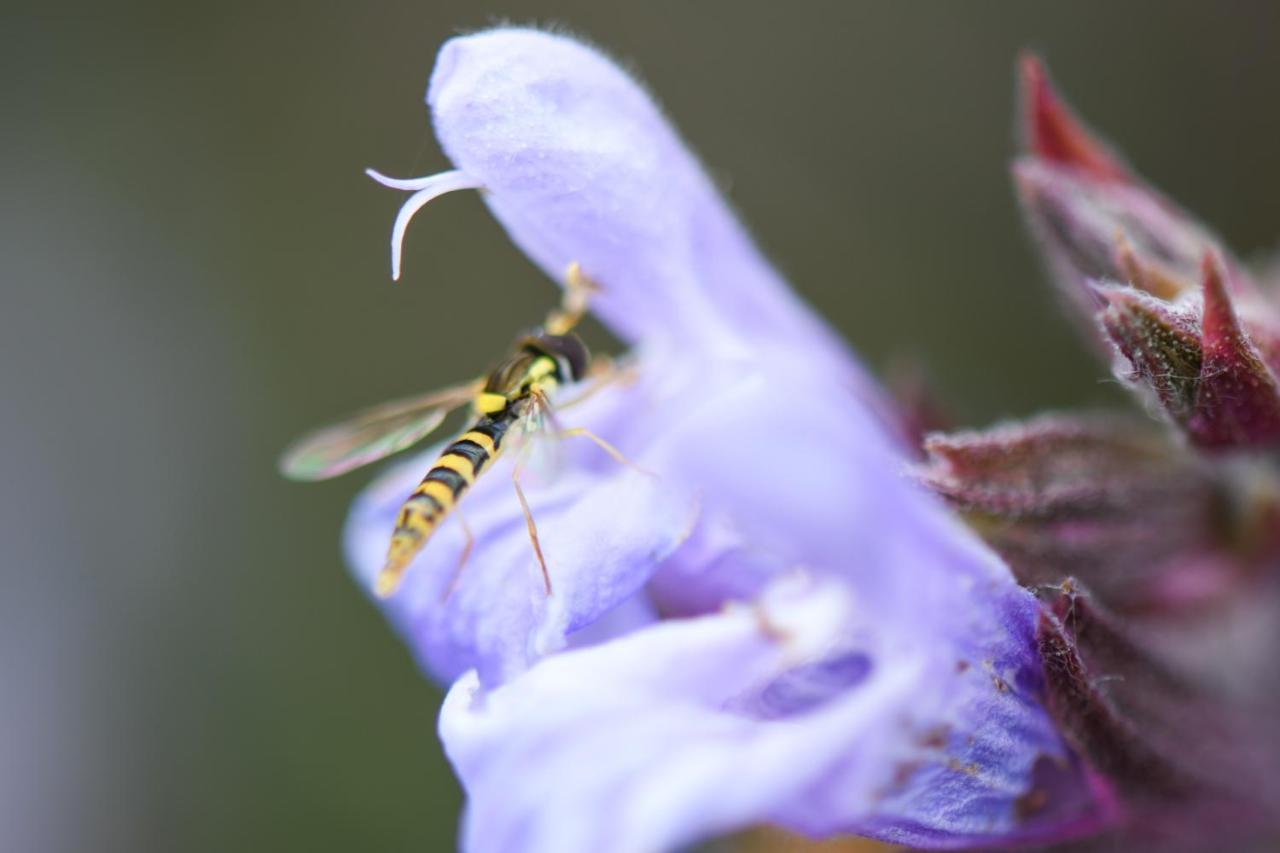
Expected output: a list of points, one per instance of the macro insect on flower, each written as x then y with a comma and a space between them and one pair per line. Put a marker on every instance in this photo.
765, 618
514, 400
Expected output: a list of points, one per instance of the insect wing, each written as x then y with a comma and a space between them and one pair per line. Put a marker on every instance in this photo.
534, 440
372, 434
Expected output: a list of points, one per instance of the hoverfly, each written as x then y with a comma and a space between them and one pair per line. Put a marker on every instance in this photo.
511, 400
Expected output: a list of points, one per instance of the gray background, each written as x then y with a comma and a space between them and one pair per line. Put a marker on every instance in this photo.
194, 270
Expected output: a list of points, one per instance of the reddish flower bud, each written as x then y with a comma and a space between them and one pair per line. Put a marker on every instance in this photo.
1160, 344
1237, 396
1197, 361
1198, 337
1053, 133
1112, 502
1092, 231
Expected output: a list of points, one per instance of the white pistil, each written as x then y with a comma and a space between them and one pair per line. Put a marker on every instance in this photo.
424, 190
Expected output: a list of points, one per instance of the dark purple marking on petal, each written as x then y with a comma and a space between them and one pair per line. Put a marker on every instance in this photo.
805, 688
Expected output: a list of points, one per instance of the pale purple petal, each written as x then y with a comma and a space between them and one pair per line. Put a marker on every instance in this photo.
498, 617
719, 563
579, 164
798, 712
810, 474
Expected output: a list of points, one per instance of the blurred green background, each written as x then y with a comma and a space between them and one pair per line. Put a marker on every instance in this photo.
195, 270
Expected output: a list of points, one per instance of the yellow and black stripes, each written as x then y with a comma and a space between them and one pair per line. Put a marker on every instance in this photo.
513, 391
454, 472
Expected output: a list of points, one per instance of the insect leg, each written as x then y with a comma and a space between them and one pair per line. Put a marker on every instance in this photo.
603, 373
529, 523
608, 448
462, 560
578, 288
543, 406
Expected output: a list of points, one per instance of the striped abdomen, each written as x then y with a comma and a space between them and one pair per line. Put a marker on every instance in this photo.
438, 493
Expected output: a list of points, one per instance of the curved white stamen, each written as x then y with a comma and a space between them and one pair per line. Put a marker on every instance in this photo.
404, 183
426, 189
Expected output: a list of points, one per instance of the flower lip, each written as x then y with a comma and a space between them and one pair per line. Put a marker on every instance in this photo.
874, 753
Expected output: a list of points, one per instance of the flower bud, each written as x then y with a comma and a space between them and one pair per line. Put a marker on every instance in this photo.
1195, 359
1104, 499
1195, 334
1187, 760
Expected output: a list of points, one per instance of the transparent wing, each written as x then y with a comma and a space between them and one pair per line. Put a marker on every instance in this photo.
372, 434
533, 440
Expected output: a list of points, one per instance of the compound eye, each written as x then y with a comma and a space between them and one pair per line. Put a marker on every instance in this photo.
569, 351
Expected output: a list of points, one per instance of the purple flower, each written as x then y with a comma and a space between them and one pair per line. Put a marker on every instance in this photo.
773, 624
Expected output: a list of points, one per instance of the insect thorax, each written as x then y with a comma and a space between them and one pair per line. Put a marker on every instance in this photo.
540, 360
511, 375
